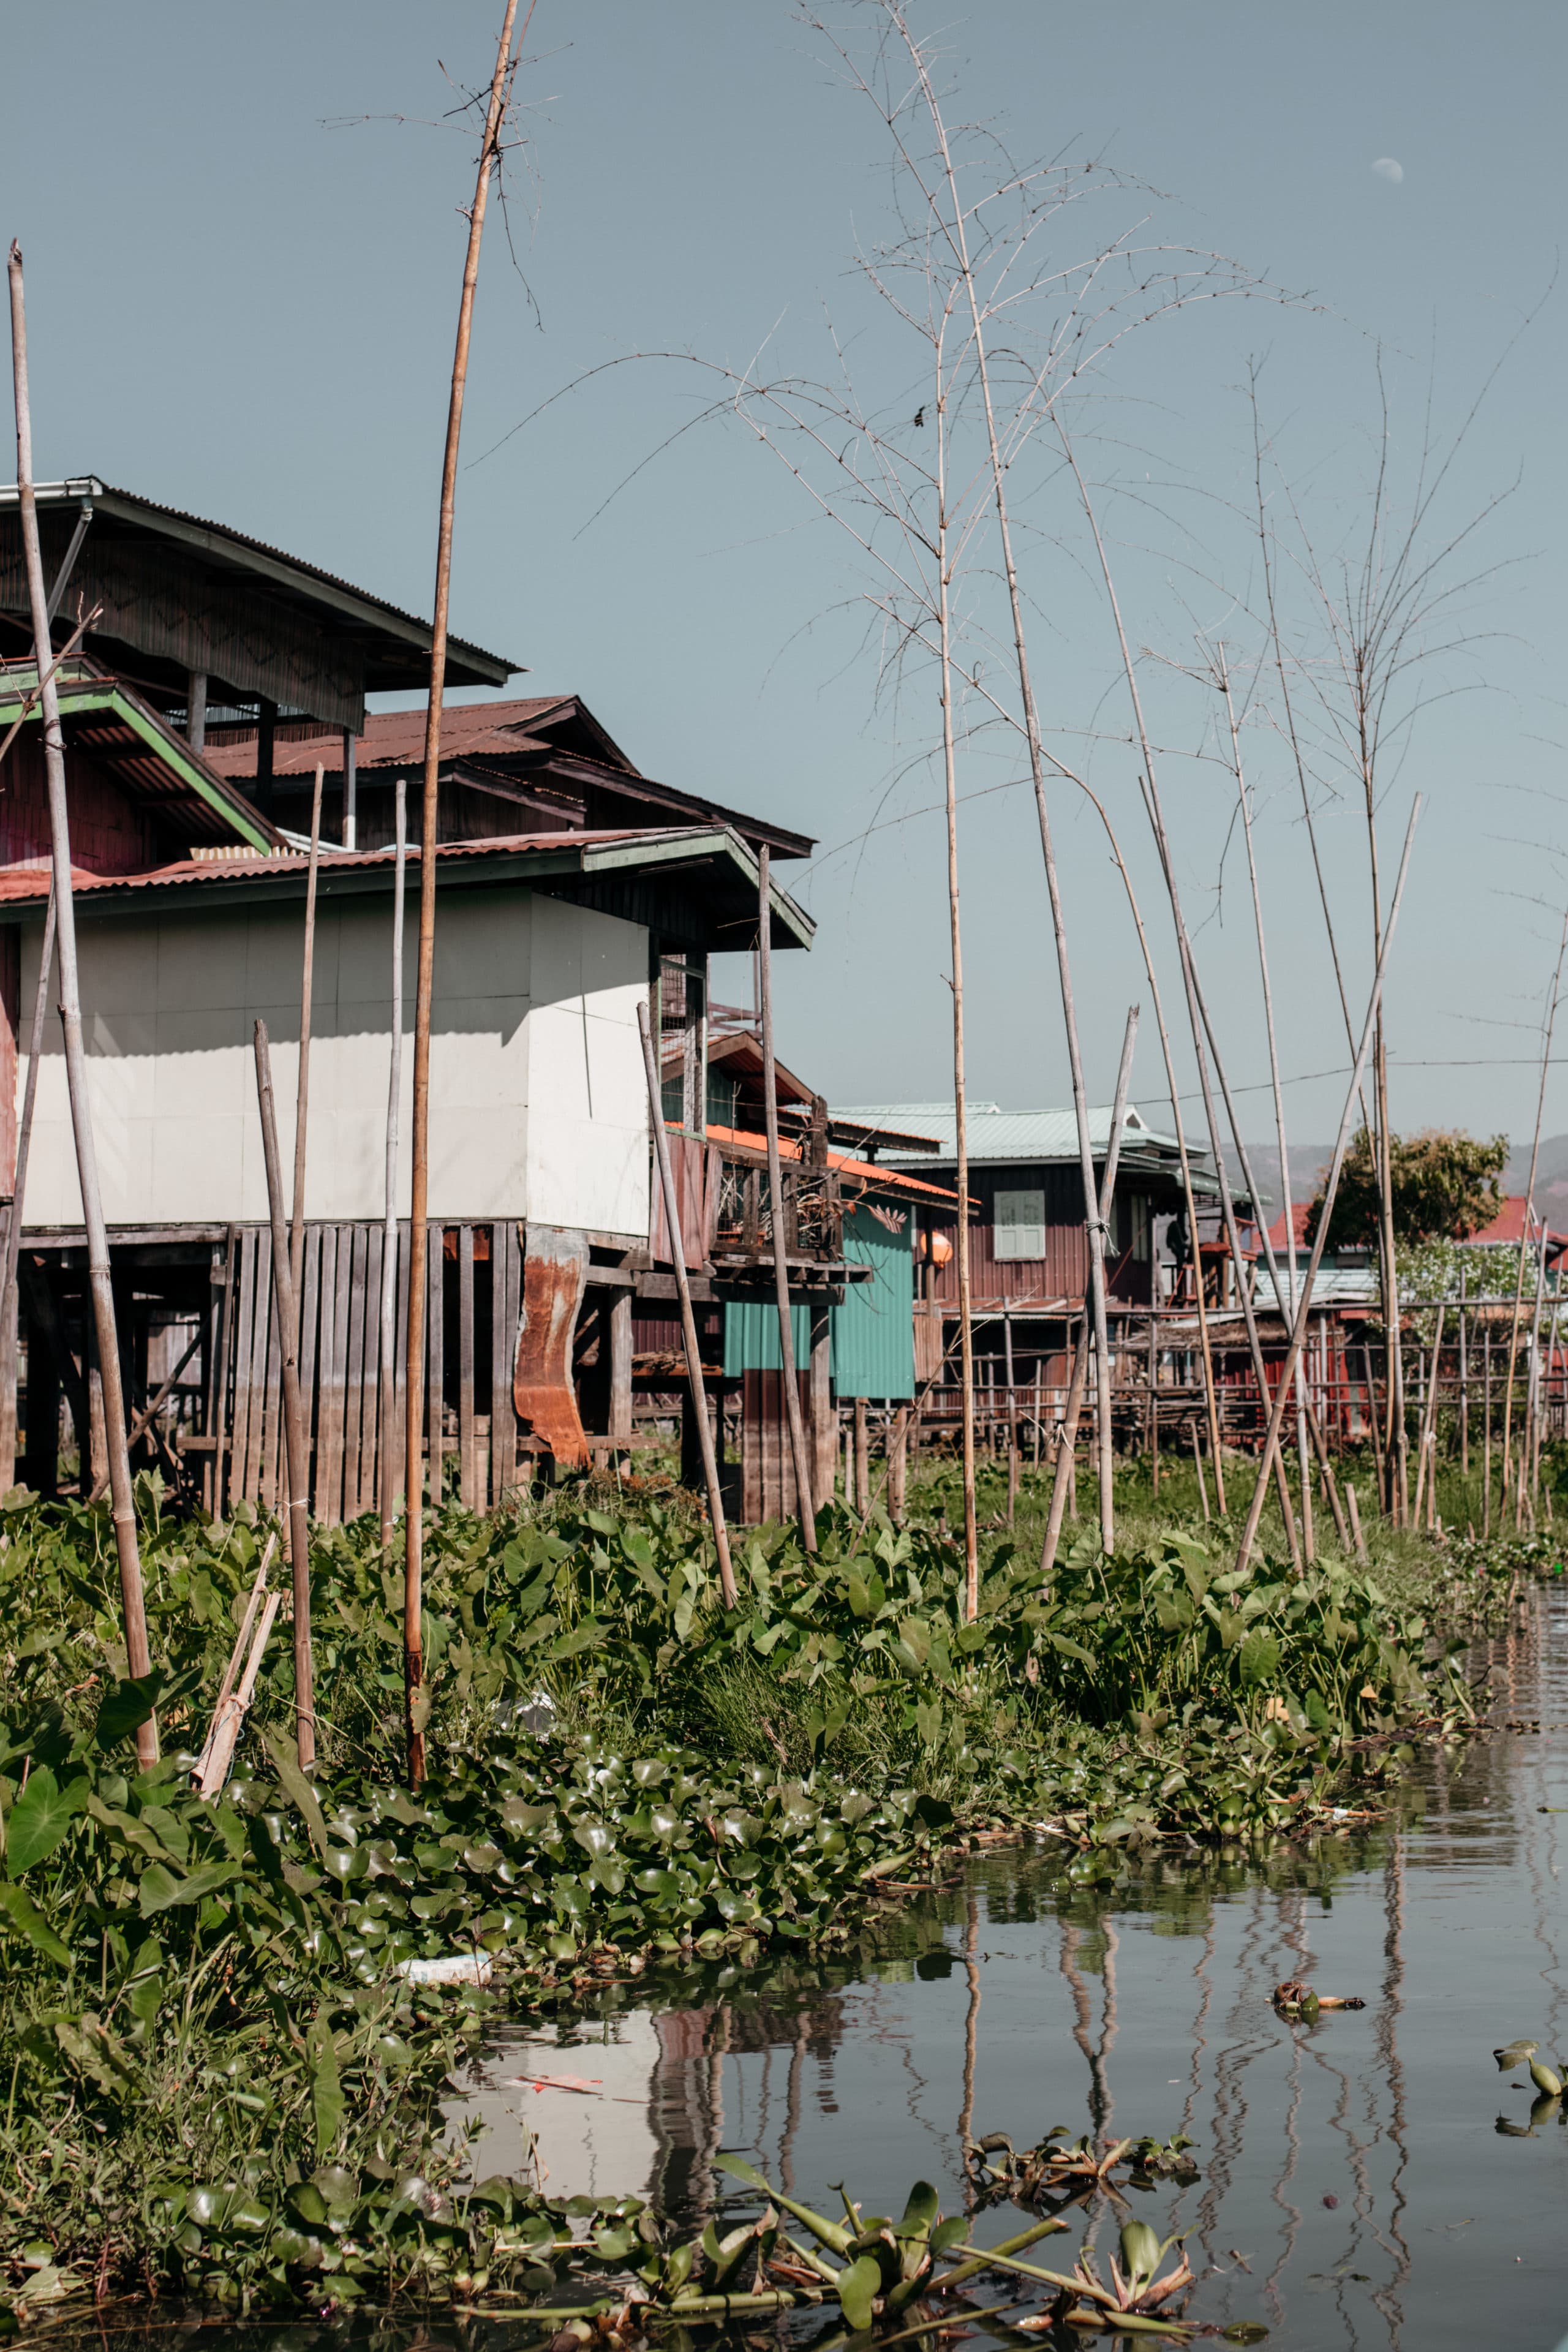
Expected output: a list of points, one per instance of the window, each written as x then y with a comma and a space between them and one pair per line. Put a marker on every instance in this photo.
1020, 1225
1130, 1225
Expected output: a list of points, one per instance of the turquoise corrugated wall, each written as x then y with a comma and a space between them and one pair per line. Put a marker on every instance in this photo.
873, 1331
752, 1336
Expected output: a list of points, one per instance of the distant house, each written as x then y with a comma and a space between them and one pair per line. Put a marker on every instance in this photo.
1028, 1244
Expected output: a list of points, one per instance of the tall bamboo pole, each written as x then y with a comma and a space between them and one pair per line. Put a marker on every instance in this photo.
302, 1086
388, 1360
1331, 1188
1531, 1386
296, 1457
1548, 1025
1463, 1386
688, 1319
794, 1419
960, 1082
1066, 1450
416, 1705
100, 1280
19, 1179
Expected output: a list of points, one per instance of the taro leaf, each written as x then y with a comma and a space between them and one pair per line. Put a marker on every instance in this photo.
858, 2287
326, 2090
20, 1914
40, 1818
1259, 1656
131, 1704
927, 1721
1071, 1649
1317, 1715
161, 1891
297, 1787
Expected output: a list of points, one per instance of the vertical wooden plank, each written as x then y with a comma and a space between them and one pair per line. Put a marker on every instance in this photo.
271, 1478
503, 1414
620, 1321
330, 1379
243, 1310
256, 1373
467, 1436
353, 1369
434, 1362
370, 1377
395, 1437
513, 1262
310, 1317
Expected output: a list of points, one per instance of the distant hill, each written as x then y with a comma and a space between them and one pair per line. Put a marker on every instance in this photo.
1308, 1163
1551, 1176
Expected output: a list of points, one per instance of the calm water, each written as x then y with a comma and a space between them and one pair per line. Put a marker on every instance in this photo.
1356, 2187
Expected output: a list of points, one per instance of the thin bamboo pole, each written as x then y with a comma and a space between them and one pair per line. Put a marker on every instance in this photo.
24, 1150
1543, 1408
416, 1705
1331, 1188
1464, 1385
688, 1320
1066, 1453
296, 1457
1427, 1463
1532, 1384
388, 1357
302, 1088
799, 1456
1199, 1466
1486, 1433
100, 1280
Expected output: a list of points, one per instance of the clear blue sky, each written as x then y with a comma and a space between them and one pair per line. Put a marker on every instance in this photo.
242, 301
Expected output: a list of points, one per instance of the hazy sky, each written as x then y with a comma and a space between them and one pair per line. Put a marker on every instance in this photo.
242, 296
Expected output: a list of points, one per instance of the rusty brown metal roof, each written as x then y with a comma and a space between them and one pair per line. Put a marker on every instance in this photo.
395, 738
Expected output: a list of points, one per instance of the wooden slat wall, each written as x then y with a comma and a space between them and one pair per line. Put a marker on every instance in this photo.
350, 1426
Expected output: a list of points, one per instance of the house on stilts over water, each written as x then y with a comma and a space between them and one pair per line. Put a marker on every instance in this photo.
214, 675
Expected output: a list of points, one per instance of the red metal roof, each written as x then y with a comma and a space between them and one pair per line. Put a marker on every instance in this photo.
1298, 1218
395, 738
1509, 1227
888, 1177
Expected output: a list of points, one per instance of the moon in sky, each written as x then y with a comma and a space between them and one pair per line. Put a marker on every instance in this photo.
1387, 169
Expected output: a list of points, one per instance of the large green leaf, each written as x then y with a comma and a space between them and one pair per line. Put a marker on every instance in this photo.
28, 1920
40, 1818
326, 2090
297, 1789
858, 2287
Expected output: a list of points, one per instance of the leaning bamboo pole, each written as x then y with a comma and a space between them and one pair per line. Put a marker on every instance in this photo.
123, 1506
388, 1354
296, 1457
805, 1510
688, 1319
302, 1086
8, 1287
1066, 1450
416, 1705
1331, 1188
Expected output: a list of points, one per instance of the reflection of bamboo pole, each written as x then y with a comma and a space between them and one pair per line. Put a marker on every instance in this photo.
99, 1278
414, 1702
688, 1320
970, 2020
794, 1420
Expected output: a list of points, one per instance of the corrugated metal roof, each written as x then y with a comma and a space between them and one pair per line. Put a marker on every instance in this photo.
997, 1134
395, 738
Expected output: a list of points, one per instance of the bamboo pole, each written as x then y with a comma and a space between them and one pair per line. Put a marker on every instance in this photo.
688, 1320
8, 1298
416, 1705
1427, 1463
302, 1088
1532, 1384
1543, 1404
122, 1506
1331, 1188
1199, 1466
388, 1355
1067, 1451
1486, 1433
296, 1457
801, 1458
1463, 1386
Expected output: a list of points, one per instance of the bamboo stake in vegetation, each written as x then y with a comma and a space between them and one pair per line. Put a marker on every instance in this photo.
296, 1466
388, 1361
122, 1505
417, 1705
19, 1181
1548, 1023
799, 1454
1331, 1189
303, 1087
688, 1319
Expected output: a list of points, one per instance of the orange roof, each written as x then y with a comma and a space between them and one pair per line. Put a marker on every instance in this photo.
1508, 1225
889, 1178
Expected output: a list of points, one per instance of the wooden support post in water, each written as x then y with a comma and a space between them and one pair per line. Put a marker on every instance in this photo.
621, 1367
8, 1290
897, 1464
862, 1458
824, 1419
1153, 1386
100, 1282
295, 1467
688, 1320
302, 1088
416, 1705
799, 1457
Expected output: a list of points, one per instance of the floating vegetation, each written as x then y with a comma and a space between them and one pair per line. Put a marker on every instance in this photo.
1064, 2168
1294, 1998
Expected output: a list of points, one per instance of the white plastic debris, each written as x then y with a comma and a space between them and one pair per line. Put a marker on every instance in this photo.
448, 1967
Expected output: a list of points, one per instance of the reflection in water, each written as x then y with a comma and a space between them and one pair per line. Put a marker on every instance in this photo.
1353, 2190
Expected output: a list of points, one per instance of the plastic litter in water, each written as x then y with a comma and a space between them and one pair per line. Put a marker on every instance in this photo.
448, 1967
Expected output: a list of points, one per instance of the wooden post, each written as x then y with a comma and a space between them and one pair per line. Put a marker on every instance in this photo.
388, 1351
897, 1464
296, 1461
1464, 1384
303, 1087
123, 1508
621, 1367
1359, 1538
688, 1320
9, 1351
416, 1705
1199, 1466
824, 1419
1429, 1462
1487, 1435
196, 709
862, 1459
802, 1461
1154, 1388
350, 789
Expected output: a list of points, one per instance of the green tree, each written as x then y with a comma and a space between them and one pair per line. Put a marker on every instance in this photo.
1446, 1188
